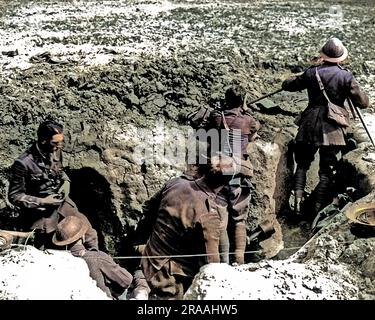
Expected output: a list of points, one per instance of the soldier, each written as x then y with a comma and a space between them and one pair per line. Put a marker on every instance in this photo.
40, 187
316, 132
109, 276
189, 221
239, 129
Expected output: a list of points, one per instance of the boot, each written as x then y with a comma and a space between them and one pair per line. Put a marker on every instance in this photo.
298, 197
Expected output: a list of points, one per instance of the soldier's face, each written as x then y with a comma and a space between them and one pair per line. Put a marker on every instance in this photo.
56, 142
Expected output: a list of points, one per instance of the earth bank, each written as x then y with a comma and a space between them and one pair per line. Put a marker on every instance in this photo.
124, 80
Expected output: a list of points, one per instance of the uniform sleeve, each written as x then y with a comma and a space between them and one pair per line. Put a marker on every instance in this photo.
210, 224
254, 126
17, 188
214, 120
91, 239
358, 97
295, 83
116, 273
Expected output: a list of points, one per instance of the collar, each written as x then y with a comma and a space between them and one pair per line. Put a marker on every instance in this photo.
233, 111
201, 183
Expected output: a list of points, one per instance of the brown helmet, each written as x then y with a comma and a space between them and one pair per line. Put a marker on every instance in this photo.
69, 230
334, 51
6, 240
362, 213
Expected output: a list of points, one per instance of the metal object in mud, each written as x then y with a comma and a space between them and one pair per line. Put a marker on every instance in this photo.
266, 229
362, 213
6, 240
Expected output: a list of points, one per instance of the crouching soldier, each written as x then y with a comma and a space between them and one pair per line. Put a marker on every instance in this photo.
109, 276
40, 187
188, 223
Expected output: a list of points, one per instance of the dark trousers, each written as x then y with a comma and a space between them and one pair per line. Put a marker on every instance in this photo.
304, 155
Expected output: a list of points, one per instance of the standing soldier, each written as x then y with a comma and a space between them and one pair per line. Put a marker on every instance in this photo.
240, 128
40, 187
316, 132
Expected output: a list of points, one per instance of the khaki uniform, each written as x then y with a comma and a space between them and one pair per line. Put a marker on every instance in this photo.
188, 223
109, 276
316, 131
33, 177
238, 193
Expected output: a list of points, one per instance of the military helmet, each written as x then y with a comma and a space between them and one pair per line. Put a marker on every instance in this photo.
69, 230
362, 213
6, 240
334, 51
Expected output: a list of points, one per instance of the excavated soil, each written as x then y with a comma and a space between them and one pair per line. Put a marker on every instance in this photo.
119, 74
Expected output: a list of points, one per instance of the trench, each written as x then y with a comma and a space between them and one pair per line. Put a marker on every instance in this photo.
92, 193
297, 231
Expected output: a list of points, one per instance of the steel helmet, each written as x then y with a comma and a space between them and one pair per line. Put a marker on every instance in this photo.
334, 51
362, 213
69, 230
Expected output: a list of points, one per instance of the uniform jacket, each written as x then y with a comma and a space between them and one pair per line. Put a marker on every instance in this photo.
34, 177
187, 222
340, 84
238, 120
109, 276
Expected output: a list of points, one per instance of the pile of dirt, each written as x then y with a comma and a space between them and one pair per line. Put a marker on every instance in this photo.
122, 76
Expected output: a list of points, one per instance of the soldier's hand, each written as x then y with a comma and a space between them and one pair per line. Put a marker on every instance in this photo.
64, 189
52, 200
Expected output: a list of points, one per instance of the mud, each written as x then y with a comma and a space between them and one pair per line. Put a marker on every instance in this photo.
111, 70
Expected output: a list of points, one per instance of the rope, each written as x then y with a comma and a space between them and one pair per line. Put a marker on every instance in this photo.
193, 255
28, 237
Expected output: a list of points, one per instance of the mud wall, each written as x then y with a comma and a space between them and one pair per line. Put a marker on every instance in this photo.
115, 72
107, 110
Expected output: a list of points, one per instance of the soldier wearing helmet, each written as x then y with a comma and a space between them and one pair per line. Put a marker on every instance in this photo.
109, 276
316, 132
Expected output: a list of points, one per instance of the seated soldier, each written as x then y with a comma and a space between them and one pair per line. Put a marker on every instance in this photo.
40, 187
109, 276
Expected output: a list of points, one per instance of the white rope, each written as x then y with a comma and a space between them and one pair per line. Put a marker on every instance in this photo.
192, 255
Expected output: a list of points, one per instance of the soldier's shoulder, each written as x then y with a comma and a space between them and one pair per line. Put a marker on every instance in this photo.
25, 157
215, 113
343, 68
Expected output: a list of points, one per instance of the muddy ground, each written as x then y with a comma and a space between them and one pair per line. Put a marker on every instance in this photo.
118, 74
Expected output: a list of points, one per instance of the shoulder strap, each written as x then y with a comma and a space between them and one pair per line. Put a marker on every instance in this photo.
225, 121
321, 86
